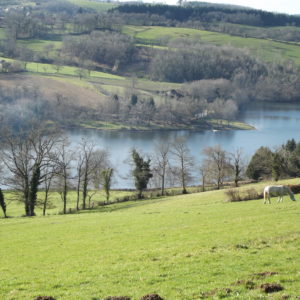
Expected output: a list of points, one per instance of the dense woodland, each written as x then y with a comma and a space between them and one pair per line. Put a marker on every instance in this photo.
212, 13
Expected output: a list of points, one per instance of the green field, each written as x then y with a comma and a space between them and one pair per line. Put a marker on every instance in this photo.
266, 49
95, 5
184, 247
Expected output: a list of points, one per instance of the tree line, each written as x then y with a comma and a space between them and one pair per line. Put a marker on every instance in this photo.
43, 159
211, 14
283, 162
247, 76
110, 48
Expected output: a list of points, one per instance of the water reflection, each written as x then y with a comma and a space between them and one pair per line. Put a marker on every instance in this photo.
274, 125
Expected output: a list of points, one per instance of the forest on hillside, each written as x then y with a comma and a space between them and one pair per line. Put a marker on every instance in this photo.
212, 13
213, 81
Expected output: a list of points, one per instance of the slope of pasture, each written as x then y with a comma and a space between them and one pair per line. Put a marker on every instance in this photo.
266, 49
102, 82
79, 93
184, 247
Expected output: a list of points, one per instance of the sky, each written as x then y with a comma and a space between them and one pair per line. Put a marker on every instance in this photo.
281, 6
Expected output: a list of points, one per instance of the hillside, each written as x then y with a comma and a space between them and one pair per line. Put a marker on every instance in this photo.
265, 49
117, 61
185, 247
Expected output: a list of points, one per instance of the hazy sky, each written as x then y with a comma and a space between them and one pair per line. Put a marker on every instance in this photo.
285, 6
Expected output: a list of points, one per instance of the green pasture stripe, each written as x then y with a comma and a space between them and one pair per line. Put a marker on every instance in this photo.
63, 70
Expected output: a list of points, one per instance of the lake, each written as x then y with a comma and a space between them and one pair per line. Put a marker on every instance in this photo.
274, 124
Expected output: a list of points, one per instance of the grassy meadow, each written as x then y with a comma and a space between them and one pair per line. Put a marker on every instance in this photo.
195, 246
268, 50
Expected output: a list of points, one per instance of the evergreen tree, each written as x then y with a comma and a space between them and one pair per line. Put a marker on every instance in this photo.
141, 173
34, 183
277, 166
260, 165
291, 145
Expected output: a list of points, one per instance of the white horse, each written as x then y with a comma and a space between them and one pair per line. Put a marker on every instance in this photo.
277, 190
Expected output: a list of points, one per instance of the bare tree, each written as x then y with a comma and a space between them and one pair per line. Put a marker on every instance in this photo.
27, 155
161, 163
49, 175
238, 164
64, 160
217, 159
79, 173
184, 162
204, 174
89, 165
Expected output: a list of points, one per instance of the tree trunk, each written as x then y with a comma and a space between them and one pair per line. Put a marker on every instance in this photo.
65, 195
45, 202
184, 191
78, 194
26, 200
163, 185
84, 190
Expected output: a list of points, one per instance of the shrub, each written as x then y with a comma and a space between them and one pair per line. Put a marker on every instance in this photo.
251, 194
233, 195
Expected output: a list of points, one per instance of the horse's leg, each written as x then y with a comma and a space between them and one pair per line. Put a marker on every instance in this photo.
281, 197
265, 197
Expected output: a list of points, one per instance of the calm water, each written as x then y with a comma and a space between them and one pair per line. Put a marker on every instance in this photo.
274, 124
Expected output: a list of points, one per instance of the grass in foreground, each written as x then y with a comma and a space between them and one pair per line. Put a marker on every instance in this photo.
184, 247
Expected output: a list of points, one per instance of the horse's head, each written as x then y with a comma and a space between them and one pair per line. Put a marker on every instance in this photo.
291, 194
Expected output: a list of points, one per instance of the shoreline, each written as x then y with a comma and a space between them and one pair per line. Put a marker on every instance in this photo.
213, 125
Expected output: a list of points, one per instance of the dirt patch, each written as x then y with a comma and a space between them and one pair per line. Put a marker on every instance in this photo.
151, 297
265, 274
249, 285
44, 298
117, 298
220, 292
271, 287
